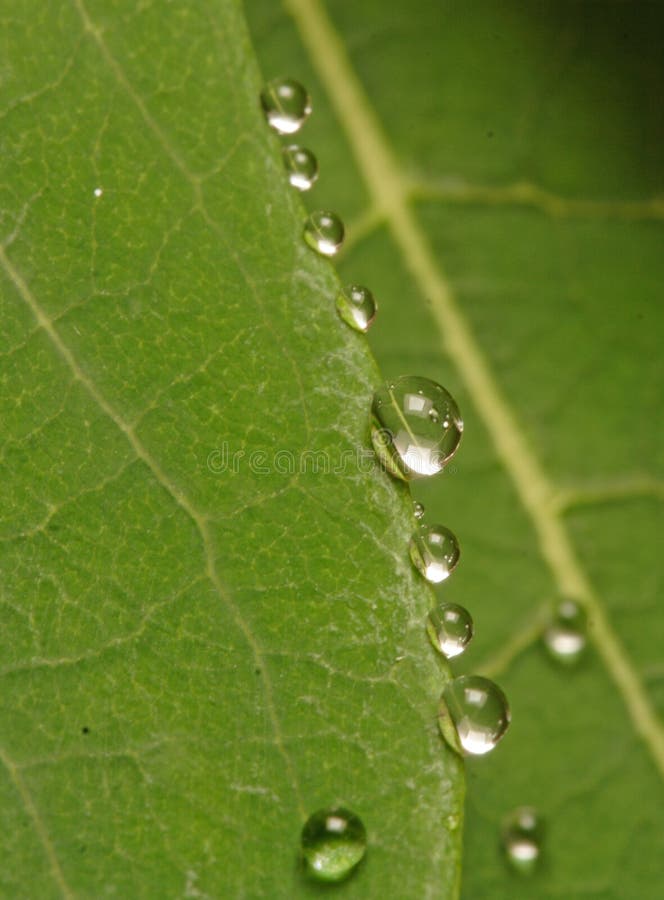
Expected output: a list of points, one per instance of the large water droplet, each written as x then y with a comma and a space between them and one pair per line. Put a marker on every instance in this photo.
418, 509
474, 714
416, 427
522, 839
565, 636
435, 552
324, 232
333, 843
286, 105
450, 628
301, 165
356, 306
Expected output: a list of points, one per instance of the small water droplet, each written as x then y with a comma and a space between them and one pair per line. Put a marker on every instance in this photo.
474, 714
301, 165
566, 635
324, 232
333, 843
418, 509
356, 306
522, 839
98, 191
286, 105
450, 628
435, 552
406, 427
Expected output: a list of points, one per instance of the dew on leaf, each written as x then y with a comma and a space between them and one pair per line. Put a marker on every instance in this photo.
418, 509
450, 629
565, 636
416, 427
356, 306
333, 843
286, 105
522, 839
324, 232
435, 552
301, 166
474, 714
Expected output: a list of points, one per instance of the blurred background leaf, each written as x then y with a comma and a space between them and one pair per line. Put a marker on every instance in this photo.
500, 166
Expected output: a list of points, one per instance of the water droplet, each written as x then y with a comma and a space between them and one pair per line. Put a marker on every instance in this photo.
435, 552
418, 509
474, 714
324, 232
356, 306
416, 427
333, 843
301, 165
286, 105
565, 637
450, 628
522, 839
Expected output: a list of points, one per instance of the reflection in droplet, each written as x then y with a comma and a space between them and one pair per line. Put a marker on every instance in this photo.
474, 714
450, 629
356, 306
301, 165
435, 552
324, 232
416, 427
286, 105
333, 843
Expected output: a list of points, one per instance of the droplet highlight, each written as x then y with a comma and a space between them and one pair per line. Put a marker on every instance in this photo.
416, 427
301, 166
286, 105
522, 839
334, 841
566, 635
450, 629
435, 552
324, 232
474, 714
356, 306
418, 509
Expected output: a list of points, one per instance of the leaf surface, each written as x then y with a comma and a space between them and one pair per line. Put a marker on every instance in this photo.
211, 627
501, 168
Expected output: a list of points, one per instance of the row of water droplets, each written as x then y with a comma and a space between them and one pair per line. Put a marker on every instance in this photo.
416, 430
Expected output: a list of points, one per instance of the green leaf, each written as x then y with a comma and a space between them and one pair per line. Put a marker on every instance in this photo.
198, 650
500, 165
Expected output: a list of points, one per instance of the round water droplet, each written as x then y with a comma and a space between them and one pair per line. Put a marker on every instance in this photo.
286, 105
356, 306
418, 509
522, 839
416, 427
474, 714
324, 232
435, 552
333, 843
565, 637
450, 628
301, 165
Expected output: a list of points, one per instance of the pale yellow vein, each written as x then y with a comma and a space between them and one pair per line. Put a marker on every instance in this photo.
37, 823
390, 195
